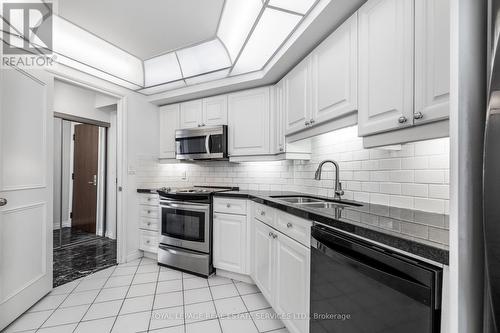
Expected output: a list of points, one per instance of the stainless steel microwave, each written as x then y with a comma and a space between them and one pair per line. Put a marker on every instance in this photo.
201, 143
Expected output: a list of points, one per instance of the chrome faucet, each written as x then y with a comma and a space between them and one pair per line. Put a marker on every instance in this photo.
338, 185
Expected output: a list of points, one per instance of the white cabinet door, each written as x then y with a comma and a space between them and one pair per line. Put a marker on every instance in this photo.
215, 111
230, 242
280, 118
26, 161
169, 122
385, 65
292, 282
432, 60
335, 73
249, 122
297, 97
264, 250
191, 114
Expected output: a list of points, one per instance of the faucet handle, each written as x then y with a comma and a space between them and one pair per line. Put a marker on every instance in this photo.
340, 191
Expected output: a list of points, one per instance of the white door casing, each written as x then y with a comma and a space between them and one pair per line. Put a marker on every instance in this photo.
26, 182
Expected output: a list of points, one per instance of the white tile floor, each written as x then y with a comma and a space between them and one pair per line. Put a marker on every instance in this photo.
141, 296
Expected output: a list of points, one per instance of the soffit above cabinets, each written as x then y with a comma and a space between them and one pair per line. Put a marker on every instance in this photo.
153, 50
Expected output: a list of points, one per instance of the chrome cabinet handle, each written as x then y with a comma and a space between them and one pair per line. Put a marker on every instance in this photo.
306, 123
148, 241
149, 199
3, 202
418, 115
281, 149
149, 223
149, 212
289, 225
270, 234
402, 120
262, 213
275, 236
228, 205
312, 121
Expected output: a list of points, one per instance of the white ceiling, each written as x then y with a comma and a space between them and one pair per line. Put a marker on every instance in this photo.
146, 28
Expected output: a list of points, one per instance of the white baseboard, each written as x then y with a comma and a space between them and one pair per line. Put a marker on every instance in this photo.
150, 255
133, 256
234, 276
110, 235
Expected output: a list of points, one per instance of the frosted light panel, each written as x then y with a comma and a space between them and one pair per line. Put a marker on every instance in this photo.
298, 6
236, 22
272, 30
161, 69
163, 87
203, 58
208, 77
81, 46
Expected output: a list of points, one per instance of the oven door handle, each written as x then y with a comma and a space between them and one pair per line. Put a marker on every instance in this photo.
202, 207
207, 143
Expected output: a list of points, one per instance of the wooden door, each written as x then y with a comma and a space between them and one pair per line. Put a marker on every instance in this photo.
385, 65
169, 122
249, 119
230, 242
335, 73
297, 97
85, 168
25, 190
292, 289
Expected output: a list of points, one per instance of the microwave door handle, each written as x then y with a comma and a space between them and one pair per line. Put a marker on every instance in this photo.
207, 143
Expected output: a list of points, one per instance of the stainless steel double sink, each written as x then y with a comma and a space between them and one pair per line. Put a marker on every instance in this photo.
312, 202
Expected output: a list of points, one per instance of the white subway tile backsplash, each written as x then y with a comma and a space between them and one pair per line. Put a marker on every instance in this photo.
412, 175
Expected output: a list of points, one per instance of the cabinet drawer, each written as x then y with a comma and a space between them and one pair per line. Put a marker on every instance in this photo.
294, 227
149, 224
148, 241
265, 214
230, 206
149, 199
150, 212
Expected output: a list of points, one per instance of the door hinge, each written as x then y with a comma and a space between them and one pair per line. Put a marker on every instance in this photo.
73, 176
71, 215
74, 137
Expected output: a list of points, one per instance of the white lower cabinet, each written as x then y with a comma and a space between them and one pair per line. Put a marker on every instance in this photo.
230, 242
263, 258
281, 270
149, 222
291, 294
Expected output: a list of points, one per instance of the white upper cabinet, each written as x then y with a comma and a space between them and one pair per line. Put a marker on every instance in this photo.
249, 122
297, 99
335, 74
215, 111
169, 122
191, 114
385, 65
432, 60
280, 117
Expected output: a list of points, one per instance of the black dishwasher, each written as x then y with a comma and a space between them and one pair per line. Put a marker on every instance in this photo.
358, 287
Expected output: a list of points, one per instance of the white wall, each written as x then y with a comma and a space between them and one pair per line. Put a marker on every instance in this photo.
62, 172
77, 101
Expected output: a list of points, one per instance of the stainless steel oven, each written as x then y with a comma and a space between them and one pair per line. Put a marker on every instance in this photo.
185, 225
202, 143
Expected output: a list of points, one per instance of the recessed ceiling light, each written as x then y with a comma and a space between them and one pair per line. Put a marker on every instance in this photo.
298, 6
236, 22
161, 69
271, 31
203, 58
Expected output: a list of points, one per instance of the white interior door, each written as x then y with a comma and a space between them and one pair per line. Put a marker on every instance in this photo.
26, 191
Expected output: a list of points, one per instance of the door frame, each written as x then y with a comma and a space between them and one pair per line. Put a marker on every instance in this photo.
121, 163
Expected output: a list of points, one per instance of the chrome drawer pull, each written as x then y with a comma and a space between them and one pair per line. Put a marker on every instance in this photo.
289, 225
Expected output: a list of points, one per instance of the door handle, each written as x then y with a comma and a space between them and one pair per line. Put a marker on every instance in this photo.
94, 182
3, 202
207, 143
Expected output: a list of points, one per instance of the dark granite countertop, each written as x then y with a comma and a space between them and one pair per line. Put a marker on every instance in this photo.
146, 190
387, 225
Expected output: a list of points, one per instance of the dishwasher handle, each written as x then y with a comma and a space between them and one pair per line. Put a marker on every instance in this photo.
344, 250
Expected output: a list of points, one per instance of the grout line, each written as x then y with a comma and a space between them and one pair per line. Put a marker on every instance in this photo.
183, 303
248, 311
215, 307
121, 306
154, 296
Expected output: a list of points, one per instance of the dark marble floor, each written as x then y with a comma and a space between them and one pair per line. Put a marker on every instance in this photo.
67, 236
88, 255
